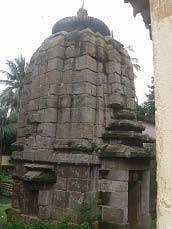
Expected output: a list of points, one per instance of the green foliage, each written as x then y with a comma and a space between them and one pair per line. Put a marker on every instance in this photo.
85, 225
10, 100
146, 111
6, 178
8, 125
14, 224
40, 225
64, 221
88, 212
3, 208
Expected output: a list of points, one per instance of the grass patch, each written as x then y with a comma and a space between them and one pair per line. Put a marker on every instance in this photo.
3, 208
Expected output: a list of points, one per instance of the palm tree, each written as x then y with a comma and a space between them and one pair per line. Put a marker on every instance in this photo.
11, 95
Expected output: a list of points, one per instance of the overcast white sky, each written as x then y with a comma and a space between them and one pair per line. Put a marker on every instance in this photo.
24, 24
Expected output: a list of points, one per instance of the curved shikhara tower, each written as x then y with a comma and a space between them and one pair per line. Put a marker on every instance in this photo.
77, 132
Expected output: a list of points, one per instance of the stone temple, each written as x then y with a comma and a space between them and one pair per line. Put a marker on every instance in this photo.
78, 136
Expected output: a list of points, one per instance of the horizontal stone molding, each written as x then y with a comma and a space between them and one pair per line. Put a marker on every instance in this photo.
60, 158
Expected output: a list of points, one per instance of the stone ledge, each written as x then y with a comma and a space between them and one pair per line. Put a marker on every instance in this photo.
124, 151
128, 135
58, 158
126, 125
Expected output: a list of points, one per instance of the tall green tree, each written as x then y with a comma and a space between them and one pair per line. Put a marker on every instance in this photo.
10, 97
8, 124
146, 111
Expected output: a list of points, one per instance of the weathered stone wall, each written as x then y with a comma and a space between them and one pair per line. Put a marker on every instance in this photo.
73, 81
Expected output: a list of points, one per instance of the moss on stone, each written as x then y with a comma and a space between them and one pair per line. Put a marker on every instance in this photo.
120, 150
46, 177
127, 135
126, 125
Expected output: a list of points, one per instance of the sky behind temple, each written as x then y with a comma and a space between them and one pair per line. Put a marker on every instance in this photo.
26, 23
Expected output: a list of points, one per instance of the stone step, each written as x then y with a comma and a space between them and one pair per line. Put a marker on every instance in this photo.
126, 125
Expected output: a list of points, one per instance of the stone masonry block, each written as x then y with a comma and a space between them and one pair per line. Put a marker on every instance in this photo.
112, 186
56, 51
87, 36
69, 64
78, 185
47, 129
81, 172
34, 118
86, 75
60, 198
118, 200
55, 64
100, 41
63, 171
84, 88
113, 54
71, 51
86, 62
54, 77
113, 66
44, 198
88, 48
63, 89
74, 131
116, 87
116, 100
64, 115
84, 101
42, 142
112, 215
75, 198
61, 184
118, 175
101, 54
64, 101
48, 115
131, 103
41, 58
114, 78
50, 102
44, 212
56, 40
73, 172
67, 77
84, 115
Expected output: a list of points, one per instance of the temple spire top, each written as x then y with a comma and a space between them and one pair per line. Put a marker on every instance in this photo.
82, 12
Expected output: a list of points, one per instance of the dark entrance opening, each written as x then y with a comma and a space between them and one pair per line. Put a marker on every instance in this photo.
134, 199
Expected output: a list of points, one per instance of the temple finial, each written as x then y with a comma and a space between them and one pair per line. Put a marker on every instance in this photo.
82, 12
83, 3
